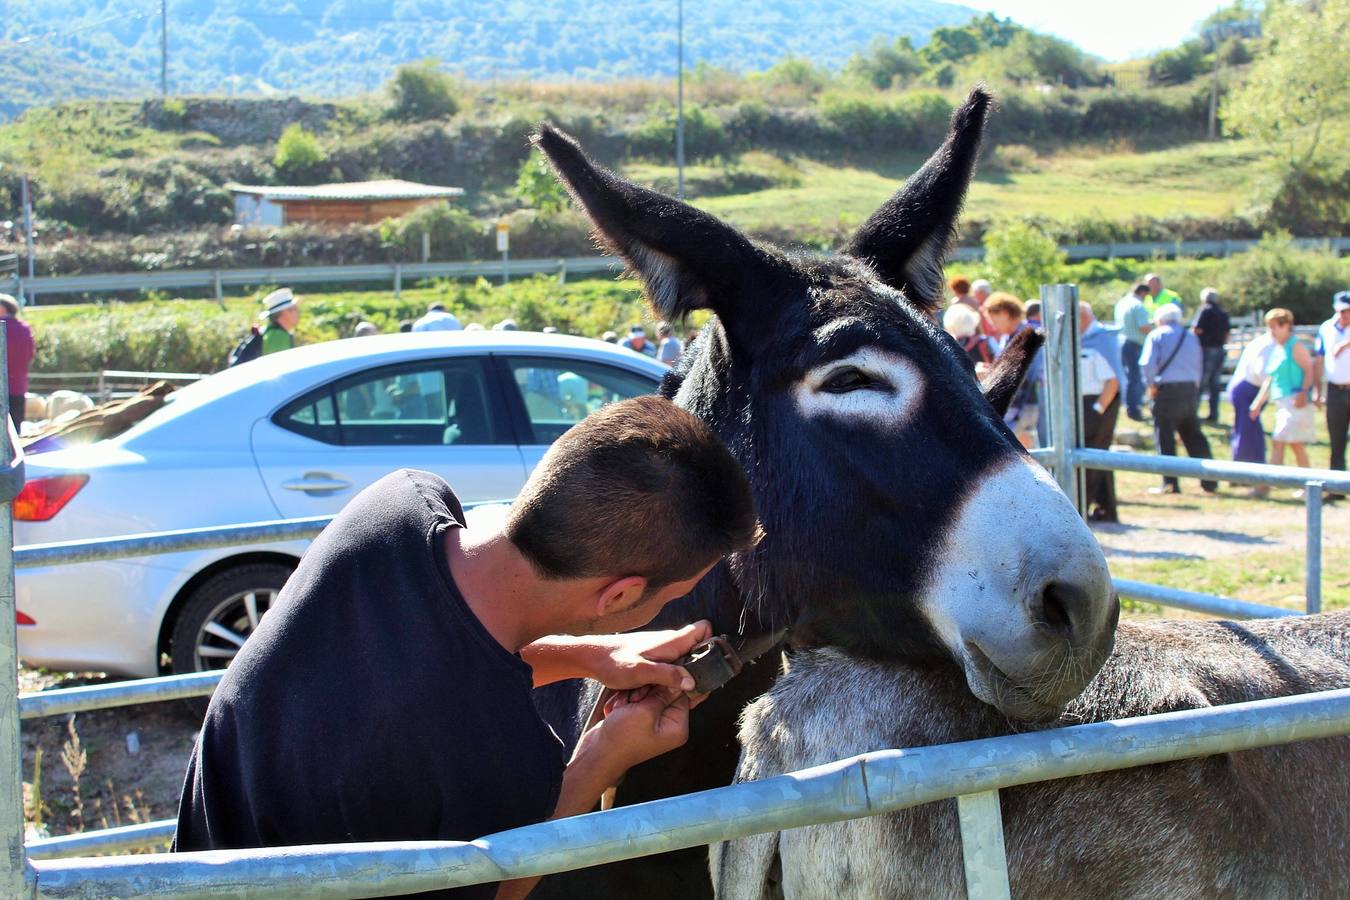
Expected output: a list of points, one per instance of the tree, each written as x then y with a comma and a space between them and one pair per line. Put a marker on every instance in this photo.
298, 152
421, 90
1296, 98
1020, 258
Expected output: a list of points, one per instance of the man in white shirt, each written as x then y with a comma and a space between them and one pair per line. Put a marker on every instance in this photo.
1101, 390
437, 319
1332, 363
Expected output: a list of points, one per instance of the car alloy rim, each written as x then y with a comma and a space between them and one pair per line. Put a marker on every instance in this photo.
228, 625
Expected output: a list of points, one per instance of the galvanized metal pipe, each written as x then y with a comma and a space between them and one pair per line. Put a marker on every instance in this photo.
1060, 314
11, 756
36, 704
108, 840
1201, 603
983, 855
61, 552
1212, 469
862, 786
1312, 581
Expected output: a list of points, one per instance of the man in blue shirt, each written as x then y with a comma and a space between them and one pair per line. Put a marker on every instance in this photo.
1172, 365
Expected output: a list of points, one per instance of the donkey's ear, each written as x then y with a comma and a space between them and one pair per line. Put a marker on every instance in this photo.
999, 385
908, 238
686, 258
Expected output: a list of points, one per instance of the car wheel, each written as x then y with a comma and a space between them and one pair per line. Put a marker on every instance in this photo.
220, 614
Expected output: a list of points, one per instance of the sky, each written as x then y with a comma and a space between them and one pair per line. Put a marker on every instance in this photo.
1111, 30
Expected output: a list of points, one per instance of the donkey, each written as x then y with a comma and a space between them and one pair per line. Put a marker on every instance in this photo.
1260, 823
903, 521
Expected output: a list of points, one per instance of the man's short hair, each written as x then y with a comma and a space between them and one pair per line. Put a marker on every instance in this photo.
980, 284
640, 487
1279, 316
1209, 295
1005, 303
1140, 288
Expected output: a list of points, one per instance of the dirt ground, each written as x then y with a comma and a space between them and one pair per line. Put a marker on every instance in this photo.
1226, 544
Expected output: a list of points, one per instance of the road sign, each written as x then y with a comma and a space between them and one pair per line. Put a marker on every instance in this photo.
503, 237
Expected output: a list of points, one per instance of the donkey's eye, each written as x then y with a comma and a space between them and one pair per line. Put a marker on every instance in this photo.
849, 379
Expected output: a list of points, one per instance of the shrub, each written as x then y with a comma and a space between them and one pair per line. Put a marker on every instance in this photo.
1178, 65
704, 136
1276, 273
455, 234
536, 186
420, 90
298, 153
1021, 258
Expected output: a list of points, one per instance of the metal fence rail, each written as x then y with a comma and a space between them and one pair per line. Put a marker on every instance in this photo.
396, 273
862, 786
1067, 458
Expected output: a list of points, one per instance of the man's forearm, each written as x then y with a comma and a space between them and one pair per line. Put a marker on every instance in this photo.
587, 777
559, 657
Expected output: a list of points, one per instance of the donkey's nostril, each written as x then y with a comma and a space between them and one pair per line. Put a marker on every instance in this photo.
1056, 601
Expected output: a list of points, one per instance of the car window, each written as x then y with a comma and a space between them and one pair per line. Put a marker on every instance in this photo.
559, 393
445, 402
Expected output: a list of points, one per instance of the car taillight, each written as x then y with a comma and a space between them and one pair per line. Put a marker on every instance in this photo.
43, 498
23, 618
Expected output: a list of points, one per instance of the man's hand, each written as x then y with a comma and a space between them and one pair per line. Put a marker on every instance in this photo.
1300, 400
618, 661
646, 658
639, 725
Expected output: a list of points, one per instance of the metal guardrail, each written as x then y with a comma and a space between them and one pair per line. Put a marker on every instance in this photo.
219, 279
397, 273
1149, 250
865, 785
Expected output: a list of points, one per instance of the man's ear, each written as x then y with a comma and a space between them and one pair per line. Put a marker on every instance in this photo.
620, 595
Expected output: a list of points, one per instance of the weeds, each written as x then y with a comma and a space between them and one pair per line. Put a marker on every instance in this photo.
75, 760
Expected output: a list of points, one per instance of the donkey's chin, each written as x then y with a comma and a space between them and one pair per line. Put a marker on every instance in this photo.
992, 685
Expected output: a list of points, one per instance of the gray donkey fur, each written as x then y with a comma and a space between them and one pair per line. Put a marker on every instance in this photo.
1271, 823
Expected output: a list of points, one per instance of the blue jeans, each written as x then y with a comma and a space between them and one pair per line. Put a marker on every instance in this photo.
1209, 381
1134, 378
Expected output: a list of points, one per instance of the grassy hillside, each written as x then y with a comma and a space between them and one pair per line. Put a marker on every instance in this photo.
1203, 180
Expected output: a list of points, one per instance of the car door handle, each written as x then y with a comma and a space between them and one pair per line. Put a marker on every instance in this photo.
317, 483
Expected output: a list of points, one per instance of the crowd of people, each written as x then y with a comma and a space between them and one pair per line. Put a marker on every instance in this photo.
1152, 361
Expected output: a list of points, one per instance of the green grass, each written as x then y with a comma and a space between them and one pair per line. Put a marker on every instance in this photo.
1210, 180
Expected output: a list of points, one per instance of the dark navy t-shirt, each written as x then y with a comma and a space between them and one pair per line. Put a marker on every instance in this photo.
370, 703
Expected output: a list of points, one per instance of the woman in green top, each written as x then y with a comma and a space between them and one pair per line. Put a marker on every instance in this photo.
282, 314
1289, 377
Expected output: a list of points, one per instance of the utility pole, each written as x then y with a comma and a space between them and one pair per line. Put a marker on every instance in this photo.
679, 103
27, 201
164, 49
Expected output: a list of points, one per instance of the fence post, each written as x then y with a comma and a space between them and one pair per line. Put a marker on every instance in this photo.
982, 852
11, 756
1312, 582
1060, 310
218, 285
398, 281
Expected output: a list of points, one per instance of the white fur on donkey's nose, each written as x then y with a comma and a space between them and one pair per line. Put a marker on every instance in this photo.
1021, 591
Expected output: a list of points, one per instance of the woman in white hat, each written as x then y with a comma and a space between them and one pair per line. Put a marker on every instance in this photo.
282, 312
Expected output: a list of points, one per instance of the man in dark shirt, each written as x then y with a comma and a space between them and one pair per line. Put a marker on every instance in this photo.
1211, 326
387, 694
